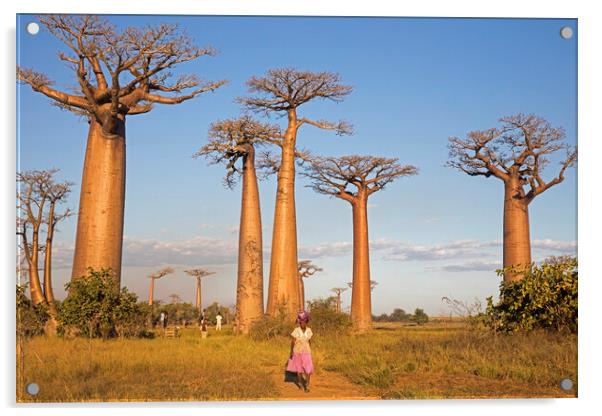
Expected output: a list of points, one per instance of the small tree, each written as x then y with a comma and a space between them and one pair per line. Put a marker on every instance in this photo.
198, 274
516, 153
338, 291
154, 276
305, 269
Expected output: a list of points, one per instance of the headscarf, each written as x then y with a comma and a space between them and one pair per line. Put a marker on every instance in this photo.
303, 316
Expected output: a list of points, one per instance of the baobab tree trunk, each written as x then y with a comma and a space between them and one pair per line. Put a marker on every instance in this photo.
249, 292
198, 294
48, 293
284, 281
517, 244
100, 220
302, 293
361, 306
151, 292
37, 295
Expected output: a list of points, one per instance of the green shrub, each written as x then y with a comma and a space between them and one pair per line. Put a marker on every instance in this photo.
325, 319
546, 297
96, 307
30, 318
420, 317
271, 327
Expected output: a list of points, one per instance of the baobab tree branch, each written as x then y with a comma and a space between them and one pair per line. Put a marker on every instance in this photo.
41, 83
161, 99
341, 128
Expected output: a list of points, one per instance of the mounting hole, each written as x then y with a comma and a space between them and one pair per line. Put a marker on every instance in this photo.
566, 32
33, 28
566, 384
33, 388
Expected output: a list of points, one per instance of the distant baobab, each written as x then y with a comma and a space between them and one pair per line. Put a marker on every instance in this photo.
38, 197
229, 142
516, 153
305, 269
198, 274
338, 291
283, 91
154, 276
119, 74
354, 179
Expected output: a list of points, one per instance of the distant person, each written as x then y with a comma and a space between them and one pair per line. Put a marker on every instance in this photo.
218, 320
203, 328
300, 361
163, 319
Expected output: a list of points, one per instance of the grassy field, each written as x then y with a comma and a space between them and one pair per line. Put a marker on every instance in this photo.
438, 360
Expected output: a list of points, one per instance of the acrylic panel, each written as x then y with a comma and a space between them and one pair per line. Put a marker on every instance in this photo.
306, 208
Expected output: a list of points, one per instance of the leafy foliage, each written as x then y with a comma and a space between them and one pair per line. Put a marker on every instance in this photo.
98, 308
325, 319
546, 297
30, 318
420, 317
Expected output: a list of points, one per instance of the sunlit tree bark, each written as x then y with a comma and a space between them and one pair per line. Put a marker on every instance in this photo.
354, 179
516, 153
229, 142
283, 91
119, 74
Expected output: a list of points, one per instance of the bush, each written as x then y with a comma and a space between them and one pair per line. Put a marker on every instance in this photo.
30, 319
96, 307
546, 297
271, 326
324, 317
420, 317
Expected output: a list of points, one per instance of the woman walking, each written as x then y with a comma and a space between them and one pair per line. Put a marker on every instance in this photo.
300, 361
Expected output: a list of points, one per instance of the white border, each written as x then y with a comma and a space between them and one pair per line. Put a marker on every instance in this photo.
590, 70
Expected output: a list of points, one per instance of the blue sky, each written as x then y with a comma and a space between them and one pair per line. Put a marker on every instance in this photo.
416, 82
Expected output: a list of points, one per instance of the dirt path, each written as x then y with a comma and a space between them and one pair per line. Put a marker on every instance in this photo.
325, 385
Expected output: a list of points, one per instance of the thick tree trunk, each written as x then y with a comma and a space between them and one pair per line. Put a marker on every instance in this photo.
198, 294
517, 244
302, 293
249, 292
284, 281
361, 306
101, 207
151, 292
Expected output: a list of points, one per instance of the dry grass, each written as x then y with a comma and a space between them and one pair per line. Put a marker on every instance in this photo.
432, 361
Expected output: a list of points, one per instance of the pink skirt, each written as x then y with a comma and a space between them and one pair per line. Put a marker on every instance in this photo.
300, 363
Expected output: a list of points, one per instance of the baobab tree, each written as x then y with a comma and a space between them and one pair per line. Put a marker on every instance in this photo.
155, 276
338, 291
198, 274
118, 74
373, 284
38, 196
354, 179
283, 91
229, 142
516, 153
305, 269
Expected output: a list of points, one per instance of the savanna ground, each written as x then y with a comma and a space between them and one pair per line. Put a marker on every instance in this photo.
394, 361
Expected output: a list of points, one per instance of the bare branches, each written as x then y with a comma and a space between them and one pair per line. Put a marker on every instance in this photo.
306, 269
368, 174
120, 73
341, 127
516, 152
198, 273
161, 273
287, 88
234, 139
